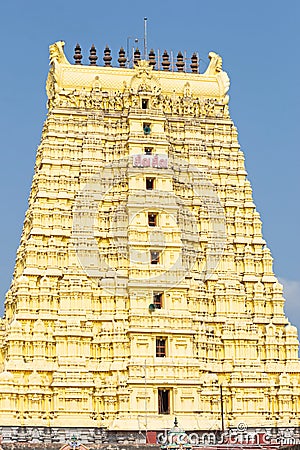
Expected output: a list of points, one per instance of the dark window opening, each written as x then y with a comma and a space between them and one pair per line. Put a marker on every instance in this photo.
152, 219
154, 254
163, 401
150, 184
148, 150
145, 103
146, 128
157, 300
161, 347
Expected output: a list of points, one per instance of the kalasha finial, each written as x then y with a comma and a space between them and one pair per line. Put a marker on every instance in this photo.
122, 58
77, 54
165, 60
107, 56
152, 60
180, 62
136, 56
195, 63
93, 56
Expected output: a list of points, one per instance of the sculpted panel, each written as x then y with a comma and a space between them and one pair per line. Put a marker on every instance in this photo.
96, 99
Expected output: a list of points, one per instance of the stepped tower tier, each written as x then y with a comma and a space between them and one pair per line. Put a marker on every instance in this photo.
142, 281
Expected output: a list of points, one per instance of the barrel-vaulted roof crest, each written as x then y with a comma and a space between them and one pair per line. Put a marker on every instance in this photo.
66, 79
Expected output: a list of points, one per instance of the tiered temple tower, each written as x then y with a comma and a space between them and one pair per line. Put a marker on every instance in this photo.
142, 282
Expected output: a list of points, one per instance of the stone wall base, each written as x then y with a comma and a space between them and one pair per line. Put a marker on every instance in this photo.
54, 438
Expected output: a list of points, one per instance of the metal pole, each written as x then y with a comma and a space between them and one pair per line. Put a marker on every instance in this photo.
128, 57
222, 407
145, 37
146, 422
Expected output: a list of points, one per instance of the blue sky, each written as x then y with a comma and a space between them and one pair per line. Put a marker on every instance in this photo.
259, 42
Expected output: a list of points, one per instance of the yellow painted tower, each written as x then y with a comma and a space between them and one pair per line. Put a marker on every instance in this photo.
143, 286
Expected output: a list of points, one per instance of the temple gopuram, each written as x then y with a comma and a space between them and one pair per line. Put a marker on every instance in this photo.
143, 289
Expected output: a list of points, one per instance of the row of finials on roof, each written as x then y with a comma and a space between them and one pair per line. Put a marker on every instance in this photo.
122, 60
